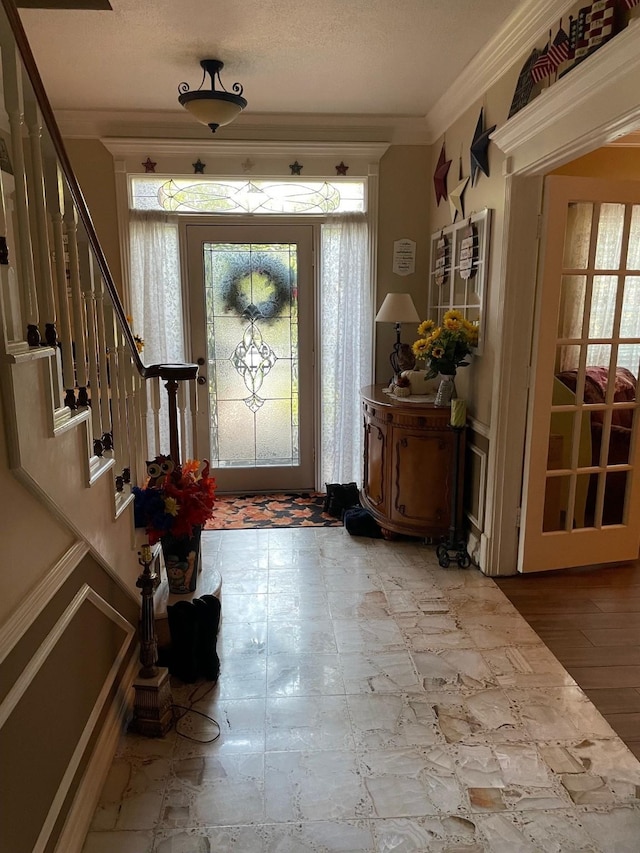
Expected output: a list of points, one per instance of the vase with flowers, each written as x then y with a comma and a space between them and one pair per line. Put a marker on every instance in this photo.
444, 349
172, 506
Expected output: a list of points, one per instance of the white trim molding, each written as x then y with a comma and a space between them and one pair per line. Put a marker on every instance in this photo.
32, 606
85, 593
558, 125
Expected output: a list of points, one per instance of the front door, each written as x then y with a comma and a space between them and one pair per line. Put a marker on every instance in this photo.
252, 331
581, 500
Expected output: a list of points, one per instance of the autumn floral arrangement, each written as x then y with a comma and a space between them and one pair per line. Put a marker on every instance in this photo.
175, 500
445, 348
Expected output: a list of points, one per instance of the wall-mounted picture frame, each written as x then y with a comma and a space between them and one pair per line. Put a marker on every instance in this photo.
457, 275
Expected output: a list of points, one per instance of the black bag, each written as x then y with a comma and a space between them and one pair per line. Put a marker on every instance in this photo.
358, 521
340, 497
193, 626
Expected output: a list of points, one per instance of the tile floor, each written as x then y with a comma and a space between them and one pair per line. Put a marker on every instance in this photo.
371, 701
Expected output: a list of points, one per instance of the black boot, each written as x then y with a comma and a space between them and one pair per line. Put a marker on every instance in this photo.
208, 609
183, 627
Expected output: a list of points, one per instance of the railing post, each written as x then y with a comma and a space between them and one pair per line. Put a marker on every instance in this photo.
174, 438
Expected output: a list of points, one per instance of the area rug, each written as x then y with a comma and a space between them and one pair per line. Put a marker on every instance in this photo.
285, 509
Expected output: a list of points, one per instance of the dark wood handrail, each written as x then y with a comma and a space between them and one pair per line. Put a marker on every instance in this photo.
174, 372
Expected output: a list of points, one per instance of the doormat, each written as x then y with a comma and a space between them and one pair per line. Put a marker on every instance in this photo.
284, 509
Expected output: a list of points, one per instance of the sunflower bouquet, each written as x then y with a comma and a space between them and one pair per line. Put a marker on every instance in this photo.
445, 348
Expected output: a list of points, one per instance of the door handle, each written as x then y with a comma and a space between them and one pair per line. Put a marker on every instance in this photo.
201, 380
200, 361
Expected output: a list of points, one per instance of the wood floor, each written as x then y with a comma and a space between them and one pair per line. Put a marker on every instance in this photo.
590, 619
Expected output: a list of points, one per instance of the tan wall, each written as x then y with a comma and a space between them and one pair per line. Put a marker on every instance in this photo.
405, 185
93, 166
32, 540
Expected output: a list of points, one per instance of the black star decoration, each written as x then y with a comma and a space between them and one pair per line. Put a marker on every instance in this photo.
198, 167
149, 165
296, 168
440, 176
478, 150
341, 169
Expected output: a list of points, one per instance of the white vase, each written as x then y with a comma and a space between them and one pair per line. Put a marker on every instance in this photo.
418, 381
446, 390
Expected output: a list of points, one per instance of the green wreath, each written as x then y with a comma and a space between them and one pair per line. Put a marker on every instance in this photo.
257, 286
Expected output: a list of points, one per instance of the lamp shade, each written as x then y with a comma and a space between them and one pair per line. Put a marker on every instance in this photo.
213, 107
397, 308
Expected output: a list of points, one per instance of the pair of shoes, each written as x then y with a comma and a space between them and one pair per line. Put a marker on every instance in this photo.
193, 626
340, 497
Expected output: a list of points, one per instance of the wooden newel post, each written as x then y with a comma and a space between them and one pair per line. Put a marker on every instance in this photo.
174, 438
152, 710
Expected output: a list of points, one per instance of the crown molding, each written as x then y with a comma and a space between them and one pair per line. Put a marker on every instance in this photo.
135, 147
102, 124
559, 124
517, 35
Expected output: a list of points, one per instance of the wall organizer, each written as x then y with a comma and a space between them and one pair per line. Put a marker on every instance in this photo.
458, 270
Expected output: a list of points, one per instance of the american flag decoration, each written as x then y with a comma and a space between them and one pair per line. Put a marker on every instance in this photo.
559, 50
542, 67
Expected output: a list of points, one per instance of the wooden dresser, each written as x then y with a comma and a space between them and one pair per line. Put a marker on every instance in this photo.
408, 464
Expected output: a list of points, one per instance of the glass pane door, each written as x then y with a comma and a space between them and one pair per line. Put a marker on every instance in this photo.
251, 324
581, 487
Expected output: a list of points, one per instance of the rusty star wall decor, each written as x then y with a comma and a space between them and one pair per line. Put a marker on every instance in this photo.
440, 176
341, 169
149, 165
296, 168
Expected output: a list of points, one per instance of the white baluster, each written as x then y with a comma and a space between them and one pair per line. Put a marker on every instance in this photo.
105, 397
12, 83
183, 389
79, 332
122, 377
55, 203
154, 407
110, 336
85, 266
42, 257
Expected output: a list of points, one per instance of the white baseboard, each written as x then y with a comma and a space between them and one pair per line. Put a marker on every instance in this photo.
80, 814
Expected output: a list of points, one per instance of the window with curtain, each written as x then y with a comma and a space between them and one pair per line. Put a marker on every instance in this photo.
346, 327
156, 301
595, 239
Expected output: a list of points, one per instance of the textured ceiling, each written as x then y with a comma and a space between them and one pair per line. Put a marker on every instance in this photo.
350, 57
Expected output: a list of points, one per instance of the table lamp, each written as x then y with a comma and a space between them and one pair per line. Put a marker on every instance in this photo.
397, 308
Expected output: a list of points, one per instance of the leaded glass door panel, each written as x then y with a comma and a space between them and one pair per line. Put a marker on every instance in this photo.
582, 486
251, 305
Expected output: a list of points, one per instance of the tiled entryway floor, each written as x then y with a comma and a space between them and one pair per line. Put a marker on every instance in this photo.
371, 701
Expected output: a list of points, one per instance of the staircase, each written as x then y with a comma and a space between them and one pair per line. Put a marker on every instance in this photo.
77, 405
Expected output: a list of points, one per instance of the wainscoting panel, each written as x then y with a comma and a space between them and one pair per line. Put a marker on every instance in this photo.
49, 715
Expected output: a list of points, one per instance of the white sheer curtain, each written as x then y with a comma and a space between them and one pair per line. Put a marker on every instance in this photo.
346, 330
156, 300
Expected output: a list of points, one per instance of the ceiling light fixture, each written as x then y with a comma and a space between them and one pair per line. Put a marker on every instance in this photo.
213, 107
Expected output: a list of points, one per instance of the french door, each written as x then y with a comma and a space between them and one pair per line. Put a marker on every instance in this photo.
252, 332
581, 502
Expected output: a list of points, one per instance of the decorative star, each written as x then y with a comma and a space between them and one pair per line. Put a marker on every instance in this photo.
198, 167
296, 168
149, 165
478, 150
341, 169
440, 176
456, 201
247, 165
